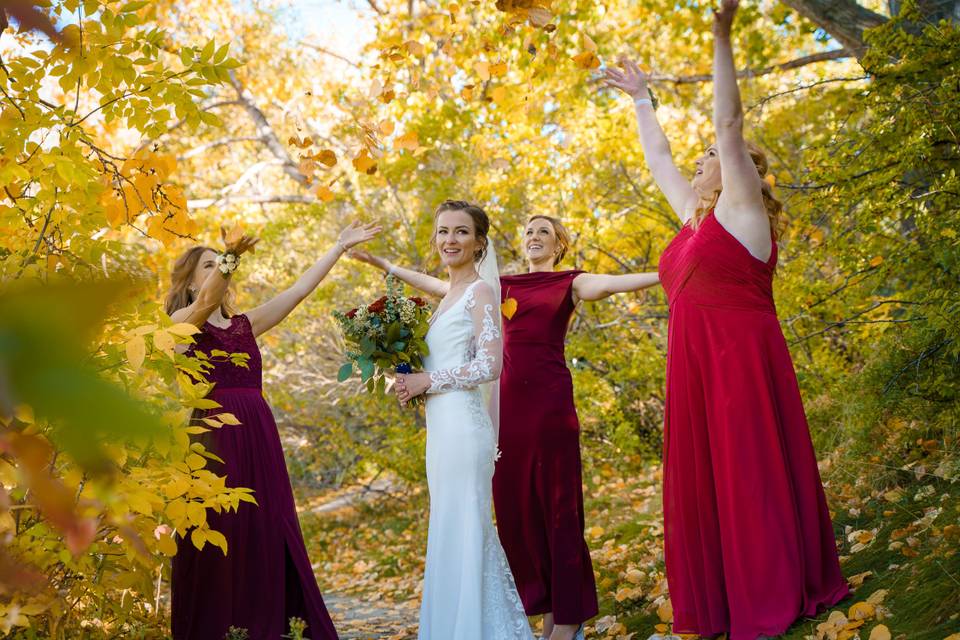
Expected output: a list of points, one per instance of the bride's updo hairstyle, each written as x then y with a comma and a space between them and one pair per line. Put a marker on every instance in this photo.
481, 223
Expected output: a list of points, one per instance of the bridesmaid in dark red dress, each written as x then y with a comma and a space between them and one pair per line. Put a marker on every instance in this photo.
266, 577
537, 487
748, 538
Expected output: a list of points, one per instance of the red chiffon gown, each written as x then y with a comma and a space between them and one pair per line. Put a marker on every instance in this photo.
749, 545
537, 491
265, 578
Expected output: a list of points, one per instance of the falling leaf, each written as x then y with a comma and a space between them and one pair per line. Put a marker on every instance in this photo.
586, 60
509, 307
325, 194
483, 69
409, 140
498, 70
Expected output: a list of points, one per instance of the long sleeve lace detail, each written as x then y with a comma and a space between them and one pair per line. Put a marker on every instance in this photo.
486, 355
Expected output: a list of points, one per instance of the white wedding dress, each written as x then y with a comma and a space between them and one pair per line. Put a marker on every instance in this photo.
468, 590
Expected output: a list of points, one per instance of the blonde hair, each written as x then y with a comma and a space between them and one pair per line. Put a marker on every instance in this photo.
564, 240
773, 206
179, 295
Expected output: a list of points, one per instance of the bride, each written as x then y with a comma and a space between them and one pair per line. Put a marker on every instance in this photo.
468, 590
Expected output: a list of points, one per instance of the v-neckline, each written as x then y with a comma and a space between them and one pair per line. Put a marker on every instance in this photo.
439, 314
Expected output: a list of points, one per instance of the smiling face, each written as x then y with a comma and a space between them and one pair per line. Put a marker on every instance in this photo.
456, 238
706, 179
540, 243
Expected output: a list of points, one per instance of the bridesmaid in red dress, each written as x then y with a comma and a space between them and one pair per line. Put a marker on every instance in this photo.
266, 577
749, 545
537, 487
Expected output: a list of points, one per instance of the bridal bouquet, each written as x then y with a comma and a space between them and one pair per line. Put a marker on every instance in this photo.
383, 336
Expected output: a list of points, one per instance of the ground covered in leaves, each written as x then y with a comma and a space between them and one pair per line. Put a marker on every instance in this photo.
897, 538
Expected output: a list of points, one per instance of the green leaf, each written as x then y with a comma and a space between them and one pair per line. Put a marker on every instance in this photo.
345, 372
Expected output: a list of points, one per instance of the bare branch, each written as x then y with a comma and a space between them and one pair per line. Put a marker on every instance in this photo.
204, 203
214, 144
835, 54
332, 54
266, 132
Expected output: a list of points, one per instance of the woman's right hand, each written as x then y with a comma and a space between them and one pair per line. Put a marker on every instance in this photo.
369, 258
237, 246
632, 80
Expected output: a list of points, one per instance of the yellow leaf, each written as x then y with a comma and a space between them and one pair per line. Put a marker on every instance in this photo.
136, 352
183, 329
167, 545
588, 43
414, 47
881, 632
217, 539
196, 514
164, 342
235, 233
876, 261
509, 307
325, 194
862, 611
539, 16
587, 60
195, 461
227, 418
467, 92
327, 157
498, 70
409, 140
364, 163
498, 94
483, 69
595, 532
386, 127
198, 537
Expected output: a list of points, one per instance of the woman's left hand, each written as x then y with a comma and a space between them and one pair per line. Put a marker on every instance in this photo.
723, 17
411, 385
355, 233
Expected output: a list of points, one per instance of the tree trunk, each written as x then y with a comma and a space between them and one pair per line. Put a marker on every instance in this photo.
845, 20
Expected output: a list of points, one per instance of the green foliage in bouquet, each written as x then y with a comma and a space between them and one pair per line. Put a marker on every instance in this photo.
384, 335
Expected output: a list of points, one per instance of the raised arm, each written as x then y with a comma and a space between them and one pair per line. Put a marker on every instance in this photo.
420, 281
214, 287
272, 312
487, 355
593, 286
740, 206
656, 148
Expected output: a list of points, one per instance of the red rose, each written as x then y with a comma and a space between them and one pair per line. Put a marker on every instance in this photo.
420, 302
378, 306
352, 313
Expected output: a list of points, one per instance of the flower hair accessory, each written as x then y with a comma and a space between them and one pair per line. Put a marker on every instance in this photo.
227, 262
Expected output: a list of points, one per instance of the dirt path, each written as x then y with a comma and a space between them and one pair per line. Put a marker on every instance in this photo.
357, 619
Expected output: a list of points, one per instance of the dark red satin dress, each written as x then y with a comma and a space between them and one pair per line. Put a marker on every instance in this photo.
537, 489
748, 539
265, 578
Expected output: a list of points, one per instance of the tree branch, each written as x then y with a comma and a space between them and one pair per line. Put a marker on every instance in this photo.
835, 54
266, 132
332, 54
845, 20
204, 203
214, 144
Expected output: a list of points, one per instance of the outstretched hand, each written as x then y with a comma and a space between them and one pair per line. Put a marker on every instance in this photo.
367, 257
354, 233
723, 17
632, 80
237, 244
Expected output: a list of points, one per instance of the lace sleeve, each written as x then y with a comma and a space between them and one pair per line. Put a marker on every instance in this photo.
487, 353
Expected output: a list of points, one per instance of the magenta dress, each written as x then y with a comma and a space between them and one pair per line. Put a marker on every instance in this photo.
748, 539
537, 490
266, 577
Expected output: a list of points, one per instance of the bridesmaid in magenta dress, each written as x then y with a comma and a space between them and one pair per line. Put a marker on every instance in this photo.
266, 577
537, 486
748, 539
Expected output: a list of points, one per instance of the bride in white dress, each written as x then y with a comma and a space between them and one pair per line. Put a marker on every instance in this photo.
468, 590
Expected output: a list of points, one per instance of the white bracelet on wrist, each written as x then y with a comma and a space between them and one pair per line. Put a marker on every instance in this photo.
640, 101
